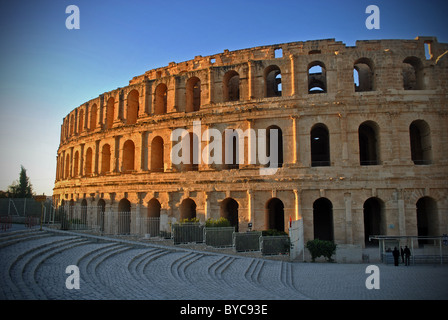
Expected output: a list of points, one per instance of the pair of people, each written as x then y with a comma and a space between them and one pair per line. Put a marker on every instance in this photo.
405, 255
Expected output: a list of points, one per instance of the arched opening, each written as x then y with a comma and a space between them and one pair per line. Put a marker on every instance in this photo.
76, 164
187, 209
67, 166
278, 144
93, 112
231, 86
193, 95
323, 219
229, 210
160, 99
230, 147
420, 136
124, 217
72, 125
363, 75
89, 158
194, 155
320, 146
132, 108
101, 208
317, 78
154, 208
273, 81
153, 217
412, 73
128, 156
275, 217
84, 212
81, 121
157, 161
105, 159
373, 220
427, 219
110, 107
368, 143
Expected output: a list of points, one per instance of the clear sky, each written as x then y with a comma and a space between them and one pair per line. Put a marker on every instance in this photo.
47, 70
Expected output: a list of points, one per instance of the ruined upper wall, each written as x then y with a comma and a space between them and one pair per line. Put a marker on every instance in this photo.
284, 50
384, 67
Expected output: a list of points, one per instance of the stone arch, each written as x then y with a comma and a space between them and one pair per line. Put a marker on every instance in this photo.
67, 166
374, 220
274, 214
317, 77
193, 94
230, 149
128, 156
187, 209
157, 158
363, 75
154, 207
229, 210
412, 72
369, 144
320, 145
279, 143
110, 109
132, 107
193, 153
231, 86
105, 158
72, 125
89, 160
427, 218
81, 121
273, 81
76, 164
420, 139
93, 112
160, 99
323, 219
124, 216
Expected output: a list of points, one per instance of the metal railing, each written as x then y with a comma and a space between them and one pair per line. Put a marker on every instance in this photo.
95, 219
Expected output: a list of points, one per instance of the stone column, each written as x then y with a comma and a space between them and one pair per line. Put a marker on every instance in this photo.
348, 218
295, 139
250, 207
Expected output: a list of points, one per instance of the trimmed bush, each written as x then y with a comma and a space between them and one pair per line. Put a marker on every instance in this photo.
219, 223
320, 248
273, 233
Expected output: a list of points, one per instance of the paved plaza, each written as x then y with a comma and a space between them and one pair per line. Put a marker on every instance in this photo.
33, 266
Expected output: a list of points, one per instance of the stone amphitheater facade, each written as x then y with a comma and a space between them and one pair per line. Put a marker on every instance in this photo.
363, 140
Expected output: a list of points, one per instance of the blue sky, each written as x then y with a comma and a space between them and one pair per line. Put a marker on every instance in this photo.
47, 70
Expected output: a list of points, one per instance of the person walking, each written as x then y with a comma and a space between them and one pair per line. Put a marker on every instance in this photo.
396, 254
407, 255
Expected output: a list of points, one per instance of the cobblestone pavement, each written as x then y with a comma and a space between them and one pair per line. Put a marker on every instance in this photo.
33, 264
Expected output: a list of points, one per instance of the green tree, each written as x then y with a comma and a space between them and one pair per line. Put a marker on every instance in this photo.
319, 248
21, 188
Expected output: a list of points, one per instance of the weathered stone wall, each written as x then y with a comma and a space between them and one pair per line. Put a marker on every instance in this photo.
112, 147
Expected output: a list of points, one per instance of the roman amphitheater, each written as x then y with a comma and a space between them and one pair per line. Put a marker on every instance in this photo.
362, 141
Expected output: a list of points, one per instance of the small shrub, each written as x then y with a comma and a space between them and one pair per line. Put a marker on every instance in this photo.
219, 223
191, 220
273, 232
320, 248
